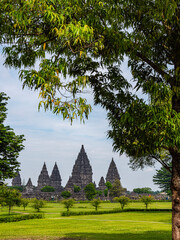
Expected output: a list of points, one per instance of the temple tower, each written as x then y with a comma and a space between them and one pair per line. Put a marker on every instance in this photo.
16, 181
43, 179
56, 179
29, 186
112, 173
81, 173
101, 185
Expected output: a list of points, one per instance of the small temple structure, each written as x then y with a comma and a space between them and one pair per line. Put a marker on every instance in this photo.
44, 179
55, 179
102, 184
112, 173
29, 187
17, 180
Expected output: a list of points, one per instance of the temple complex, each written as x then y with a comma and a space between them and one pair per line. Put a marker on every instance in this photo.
81, 176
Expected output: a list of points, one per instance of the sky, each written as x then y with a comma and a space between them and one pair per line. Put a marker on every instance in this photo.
49, 139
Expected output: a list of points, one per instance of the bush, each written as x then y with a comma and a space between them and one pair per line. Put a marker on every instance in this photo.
19, 188
113, 211
123, 200
24, 202
77, 189
66, 194
99, 193
95, 203
18, 218
68, 204
90, 191
147, 200
37, 204
47, 189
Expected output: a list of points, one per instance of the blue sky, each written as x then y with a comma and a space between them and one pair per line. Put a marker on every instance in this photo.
50, 139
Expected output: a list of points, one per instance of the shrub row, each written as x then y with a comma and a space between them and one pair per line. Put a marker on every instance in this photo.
113, 211
17, 218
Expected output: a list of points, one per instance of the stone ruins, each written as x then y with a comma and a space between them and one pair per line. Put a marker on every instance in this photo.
81, 176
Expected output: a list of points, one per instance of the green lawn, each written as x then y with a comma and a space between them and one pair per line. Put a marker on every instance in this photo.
119, 226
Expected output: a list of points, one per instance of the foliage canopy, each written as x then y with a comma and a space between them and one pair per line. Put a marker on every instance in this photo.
123, 200
142, 190
90, 191
47, 189
65, 194
162, 178
147, 200
68, 203
10, 197
10, 144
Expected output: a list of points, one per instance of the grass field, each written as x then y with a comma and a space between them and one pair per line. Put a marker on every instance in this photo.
119, 226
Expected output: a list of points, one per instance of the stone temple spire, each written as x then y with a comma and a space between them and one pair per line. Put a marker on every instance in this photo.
102, 185
56, 178
43, 179
82, 171
16, 180
29, 187
112, 173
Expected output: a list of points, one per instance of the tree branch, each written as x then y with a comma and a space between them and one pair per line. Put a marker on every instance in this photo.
153, 65
162, 163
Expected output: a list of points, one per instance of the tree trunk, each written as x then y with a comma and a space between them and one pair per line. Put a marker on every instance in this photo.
175, 181
175, 188
9, 210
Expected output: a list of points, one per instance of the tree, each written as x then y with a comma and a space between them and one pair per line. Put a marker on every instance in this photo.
77, 189
24, 202
47, 189
96, 203
19, 188
99, 193
68, 204
106, 191
90, 191
147, 200
123, 200
10, 144
10, 197
65, 194
162, 178
146, 33
38, 204
142, 190
116, 189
